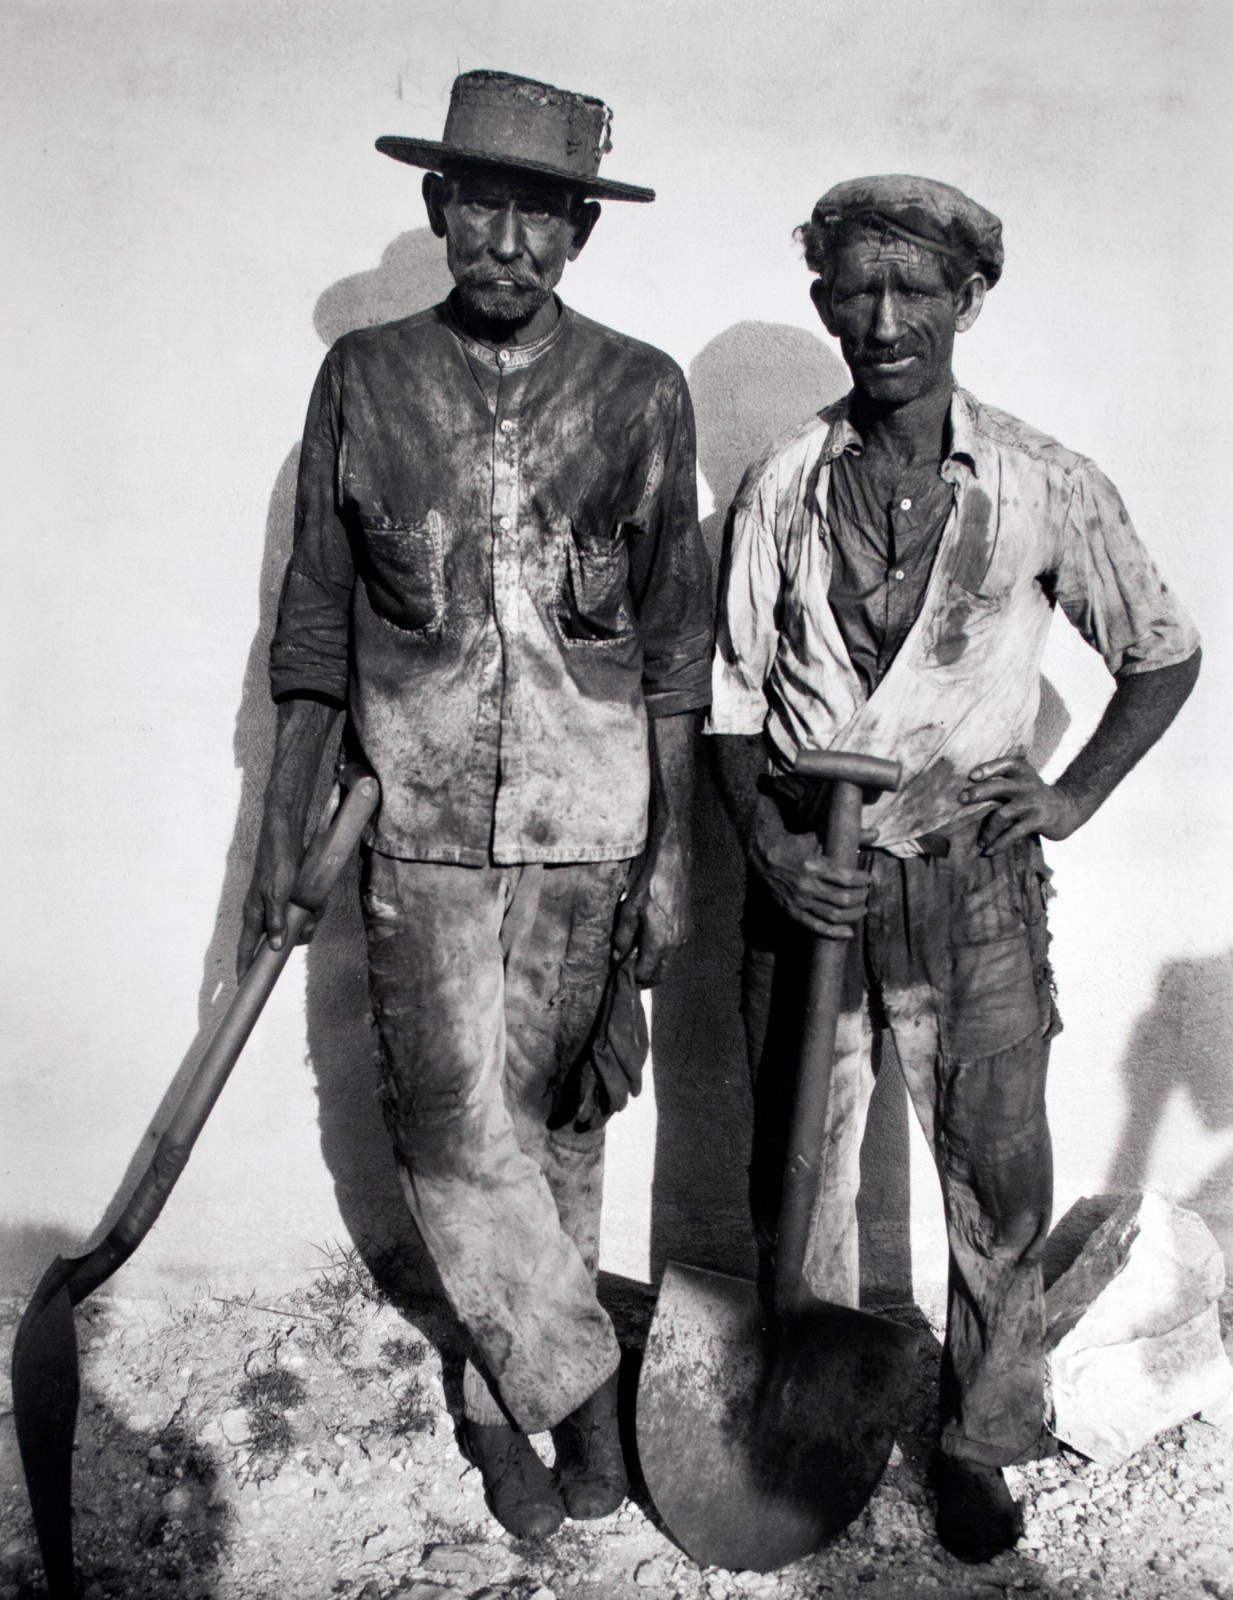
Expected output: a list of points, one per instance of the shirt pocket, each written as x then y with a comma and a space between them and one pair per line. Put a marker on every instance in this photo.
593, 592
961, 620
402, 569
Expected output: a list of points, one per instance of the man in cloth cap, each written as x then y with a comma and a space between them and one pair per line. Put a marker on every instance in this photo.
891, 572
497, 571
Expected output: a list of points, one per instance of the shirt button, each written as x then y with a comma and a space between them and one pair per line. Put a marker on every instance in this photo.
905, 504
502, 356
899, 574
505, 524
507, 426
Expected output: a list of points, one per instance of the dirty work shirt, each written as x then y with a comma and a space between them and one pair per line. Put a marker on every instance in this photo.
497, 567
1032, 526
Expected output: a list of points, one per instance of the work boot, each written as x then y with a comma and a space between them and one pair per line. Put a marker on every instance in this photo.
519, 1487
590, 1467
977, 1517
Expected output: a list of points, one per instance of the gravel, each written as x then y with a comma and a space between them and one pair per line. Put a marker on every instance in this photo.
306, 1450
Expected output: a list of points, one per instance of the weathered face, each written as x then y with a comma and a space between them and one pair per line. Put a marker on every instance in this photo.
896, 317
507, 239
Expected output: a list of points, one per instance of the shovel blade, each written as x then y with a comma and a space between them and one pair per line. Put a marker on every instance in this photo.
760, 1445
46, 1389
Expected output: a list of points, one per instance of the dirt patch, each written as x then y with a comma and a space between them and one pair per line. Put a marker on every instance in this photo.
305, 1450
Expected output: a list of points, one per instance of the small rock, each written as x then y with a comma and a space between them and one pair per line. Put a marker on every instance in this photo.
452, 1558
657, 1573
543, 1593
235, 1426
176, 1502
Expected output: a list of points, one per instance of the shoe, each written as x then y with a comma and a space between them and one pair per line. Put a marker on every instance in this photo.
519, 1487
977, 1518
590, 1466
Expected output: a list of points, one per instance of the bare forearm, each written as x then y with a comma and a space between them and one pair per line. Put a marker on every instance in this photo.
653, 917
1142, 707
303, 730
827, 899
671, 744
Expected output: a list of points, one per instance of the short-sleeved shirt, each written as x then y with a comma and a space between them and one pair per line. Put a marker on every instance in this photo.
497, 566
1032, 526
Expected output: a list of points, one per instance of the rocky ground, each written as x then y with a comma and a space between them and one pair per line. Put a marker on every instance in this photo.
305, 1449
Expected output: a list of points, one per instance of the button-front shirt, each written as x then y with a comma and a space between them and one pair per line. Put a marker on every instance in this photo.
1032, 525
882, 554
497, 567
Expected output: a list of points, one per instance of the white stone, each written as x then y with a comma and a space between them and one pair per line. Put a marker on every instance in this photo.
177, 1501
236, 1426
1133, 1331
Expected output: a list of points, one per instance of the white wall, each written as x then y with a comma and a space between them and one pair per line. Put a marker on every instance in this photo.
192, 202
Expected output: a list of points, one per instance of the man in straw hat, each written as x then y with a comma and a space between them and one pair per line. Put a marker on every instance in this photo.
497, 571
892, 569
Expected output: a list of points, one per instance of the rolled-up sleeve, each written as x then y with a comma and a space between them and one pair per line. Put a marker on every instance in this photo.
1109, 588
670, 572
309, 650
747, 624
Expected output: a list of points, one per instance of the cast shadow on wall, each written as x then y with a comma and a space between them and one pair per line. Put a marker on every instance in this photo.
1180, 1046
411, 276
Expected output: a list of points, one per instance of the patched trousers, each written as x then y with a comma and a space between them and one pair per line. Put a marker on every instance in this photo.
948, 974
485, 983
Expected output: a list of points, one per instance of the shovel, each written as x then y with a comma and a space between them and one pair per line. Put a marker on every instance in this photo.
761, 1436
45, 1364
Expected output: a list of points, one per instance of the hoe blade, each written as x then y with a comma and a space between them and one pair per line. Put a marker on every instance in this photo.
45, 1395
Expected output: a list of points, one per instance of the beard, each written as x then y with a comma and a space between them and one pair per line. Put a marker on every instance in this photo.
499, 302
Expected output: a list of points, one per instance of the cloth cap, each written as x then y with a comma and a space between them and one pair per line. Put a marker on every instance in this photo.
501, 120
928, 213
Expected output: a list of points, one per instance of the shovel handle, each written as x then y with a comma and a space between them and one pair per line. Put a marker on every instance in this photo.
848, 774
324, 860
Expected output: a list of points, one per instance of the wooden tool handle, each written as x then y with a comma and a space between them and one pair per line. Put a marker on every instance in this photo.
806, 1141
323, 863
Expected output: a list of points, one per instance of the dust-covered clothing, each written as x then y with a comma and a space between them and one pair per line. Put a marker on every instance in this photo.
485, 983
948, 975
497, 567
949, 971
1032, 526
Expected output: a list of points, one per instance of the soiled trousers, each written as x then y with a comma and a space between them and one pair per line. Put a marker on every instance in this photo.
485, 983
949, 975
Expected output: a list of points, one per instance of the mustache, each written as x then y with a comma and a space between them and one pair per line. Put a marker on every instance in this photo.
486, 278
884, 355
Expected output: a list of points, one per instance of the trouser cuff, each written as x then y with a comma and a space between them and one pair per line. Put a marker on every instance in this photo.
481, 1405
988, 1453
